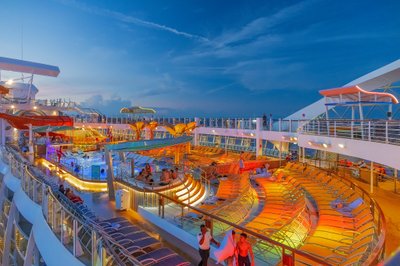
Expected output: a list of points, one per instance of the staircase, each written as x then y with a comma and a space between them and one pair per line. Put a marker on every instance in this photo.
192, 192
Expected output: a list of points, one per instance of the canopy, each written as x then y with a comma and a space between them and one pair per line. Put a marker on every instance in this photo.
23, 66
137, 110
44, 129
22, 122
356, 95
145, 145
376, 79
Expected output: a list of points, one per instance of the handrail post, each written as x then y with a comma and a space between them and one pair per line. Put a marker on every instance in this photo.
290, 125
280, 125
318, 127
369, 130
334, 129
387, 132
351, 129
74, 236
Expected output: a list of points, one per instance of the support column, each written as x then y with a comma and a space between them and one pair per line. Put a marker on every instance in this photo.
95, 254
122, 156
110, 175
177, 155
258, 137
30, 139
29, 250
395, 180
303, 154
3, 132
280, 153
196, 131
371, 188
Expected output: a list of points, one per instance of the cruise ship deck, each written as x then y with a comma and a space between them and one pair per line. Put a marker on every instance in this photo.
81, 188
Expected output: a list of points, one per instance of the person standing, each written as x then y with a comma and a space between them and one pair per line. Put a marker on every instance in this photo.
243, 248
204, 239
241, 162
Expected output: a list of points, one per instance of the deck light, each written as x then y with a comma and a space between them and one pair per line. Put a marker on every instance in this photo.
341, 145
9, 82
34, 107
12, 106
325, 145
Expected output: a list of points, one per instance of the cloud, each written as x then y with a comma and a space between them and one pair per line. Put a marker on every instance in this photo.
129, 19
106, 106
270, 74
155, 85
261, 25
221, 88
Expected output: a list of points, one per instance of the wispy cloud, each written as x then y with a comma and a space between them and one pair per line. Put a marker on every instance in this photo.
261, 25
221, 88
129, 19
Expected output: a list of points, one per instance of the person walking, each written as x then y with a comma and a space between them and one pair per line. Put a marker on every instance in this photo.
204, 239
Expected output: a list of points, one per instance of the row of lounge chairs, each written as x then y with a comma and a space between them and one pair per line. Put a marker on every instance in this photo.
283, 201
207, 150
233, 199
345, 232
131, 240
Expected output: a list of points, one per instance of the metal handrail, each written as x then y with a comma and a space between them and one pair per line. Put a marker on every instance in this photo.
243, 229
379, 248
89, 223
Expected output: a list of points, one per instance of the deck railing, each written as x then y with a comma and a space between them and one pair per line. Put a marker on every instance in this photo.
384, 131
337, 171
72, 226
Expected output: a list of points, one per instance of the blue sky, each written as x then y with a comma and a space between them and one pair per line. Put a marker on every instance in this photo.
213, 58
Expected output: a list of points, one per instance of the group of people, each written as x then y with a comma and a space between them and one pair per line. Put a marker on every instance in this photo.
70, 194
240, 251
146, 175
168, 175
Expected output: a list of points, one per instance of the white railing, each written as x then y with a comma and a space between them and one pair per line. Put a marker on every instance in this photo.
385, 131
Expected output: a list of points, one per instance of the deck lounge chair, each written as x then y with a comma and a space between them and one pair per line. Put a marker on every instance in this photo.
173, 260
155, 256
143, 244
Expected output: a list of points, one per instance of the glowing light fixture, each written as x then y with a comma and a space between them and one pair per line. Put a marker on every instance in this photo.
289, 138
9, 82
340, 145
34, 107
12, 106
319, 144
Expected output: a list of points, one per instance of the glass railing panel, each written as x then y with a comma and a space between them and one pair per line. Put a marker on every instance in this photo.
21, 241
